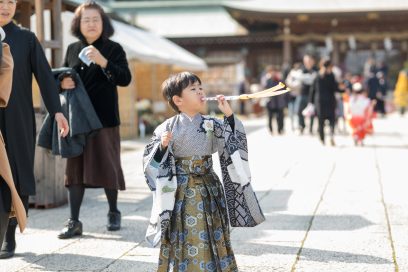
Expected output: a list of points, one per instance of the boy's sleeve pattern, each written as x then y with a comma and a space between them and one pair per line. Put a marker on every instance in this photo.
243, 205
162, 181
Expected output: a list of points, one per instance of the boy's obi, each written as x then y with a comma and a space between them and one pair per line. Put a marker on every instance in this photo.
194, 165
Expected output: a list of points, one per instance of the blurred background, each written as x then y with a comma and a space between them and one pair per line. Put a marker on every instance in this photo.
229, 44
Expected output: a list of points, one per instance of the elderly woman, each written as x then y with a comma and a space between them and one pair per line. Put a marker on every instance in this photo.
102, 67
17, 120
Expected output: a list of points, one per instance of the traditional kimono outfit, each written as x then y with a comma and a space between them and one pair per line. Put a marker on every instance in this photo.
190, 209
360, 109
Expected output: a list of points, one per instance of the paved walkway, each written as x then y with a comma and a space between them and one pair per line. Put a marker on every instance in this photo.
342, 208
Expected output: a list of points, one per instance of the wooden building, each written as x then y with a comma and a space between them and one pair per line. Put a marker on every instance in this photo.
278, 32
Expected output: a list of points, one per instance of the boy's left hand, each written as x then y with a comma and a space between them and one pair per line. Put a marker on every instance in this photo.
224, 106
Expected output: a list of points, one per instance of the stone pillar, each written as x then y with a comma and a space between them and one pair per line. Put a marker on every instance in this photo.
287, 48
336, 53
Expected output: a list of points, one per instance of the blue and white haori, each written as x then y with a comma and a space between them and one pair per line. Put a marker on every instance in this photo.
200, 136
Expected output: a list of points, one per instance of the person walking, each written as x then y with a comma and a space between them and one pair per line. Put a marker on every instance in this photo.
99, 166
323, 97
17, 120
276, 104
307, 78
359, 113
293, 81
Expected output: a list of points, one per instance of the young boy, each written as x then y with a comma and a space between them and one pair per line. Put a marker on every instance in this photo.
189, 214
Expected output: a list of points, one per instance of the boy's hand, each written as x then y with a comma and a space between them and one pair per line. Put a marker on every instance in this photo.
224, 106
67, 83
166, 138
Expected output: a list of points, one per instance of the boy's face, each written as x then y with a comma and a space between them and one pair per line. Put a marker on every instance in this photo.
192, 99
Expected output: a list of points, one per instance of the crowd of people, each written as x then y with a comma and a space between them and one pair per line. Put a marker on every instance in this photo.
321, 93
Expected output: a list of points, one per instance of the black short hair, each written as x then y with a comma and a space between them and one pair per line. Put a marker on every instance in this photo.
107, 28
175, 84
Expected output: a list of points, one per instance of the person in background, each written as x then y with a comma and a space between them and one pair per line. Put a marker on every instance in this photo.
359, 111
401, 91
99, 166
276, 104
309, 72
294, 82
381, 94
243, 88
323, 97
17, 120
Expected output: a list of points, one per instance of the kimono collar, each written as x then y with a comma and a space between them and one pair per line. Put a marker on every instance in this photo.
185, 118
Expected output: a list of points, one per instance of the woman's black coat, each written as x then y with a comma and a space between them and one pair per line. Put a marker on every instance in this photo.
100, 83
322, 95
17, 121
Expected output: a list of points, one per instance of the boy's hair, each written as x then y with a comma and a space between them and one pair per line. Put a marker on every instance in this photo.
175, 84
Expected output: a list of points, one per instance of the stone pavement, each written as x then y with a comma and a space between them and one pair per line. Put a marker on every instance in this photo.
342, 208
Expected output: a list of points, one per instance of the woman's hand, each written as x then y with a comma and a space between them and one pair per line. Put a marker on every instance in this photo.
166, 138
62, 124
67, 83
224, 106
94, 55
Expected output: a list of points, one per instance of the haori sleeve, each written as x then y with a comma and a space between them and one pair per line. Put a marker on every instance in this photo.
162, 181
152, 154
233, 148
243, 205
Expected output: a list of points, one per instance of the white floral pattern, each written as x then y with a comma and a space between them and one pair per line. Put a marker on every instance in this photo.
208, 126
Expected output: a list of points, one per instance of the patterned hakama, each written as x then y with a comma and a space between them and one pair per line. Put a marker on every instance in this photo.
198, 238
190, 212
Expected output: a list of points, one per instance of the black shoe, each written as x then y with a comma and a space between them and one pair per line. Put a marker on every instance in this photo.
113, 221
7, 250
9, 244
72, 228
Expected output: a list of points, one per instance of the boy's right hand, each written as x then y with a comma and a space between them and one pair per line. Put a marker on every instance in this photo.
67, 83
166, 138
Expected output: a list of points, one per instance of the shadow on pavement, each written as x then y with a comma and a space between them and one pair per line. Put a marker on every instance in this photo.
74, 262
292, 222
310, 254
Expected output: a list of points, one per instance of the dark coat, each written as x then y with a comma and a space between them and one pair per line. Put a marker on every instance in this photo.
278, 102
9, 198
322, 95
101, 84
82, 120
373, 86
17, 121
